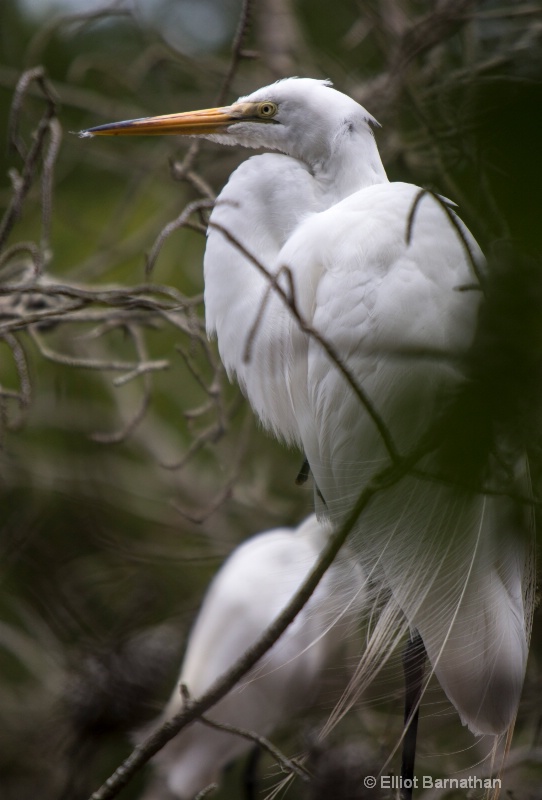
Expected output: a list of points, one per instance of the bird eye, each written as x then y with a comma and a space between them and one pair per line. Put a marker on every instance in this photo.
267, 109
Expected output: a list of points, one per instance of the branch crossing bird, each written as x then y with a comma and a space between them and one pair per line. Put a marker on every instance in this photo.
249, 591
344, 305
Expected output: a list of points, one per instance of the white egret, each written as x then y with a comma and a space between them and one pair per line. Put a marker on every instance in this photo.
249, 591
321, 217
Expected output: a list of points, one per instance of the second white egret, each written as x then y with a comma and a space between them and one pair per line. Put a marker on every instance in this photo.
246, 595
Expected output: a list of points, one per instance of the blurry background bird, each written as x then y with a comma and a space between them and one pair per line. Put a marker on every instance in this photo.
245, 596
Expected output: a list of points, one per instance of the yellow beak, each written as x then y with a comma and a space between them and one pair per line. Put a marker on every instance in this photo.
189, 123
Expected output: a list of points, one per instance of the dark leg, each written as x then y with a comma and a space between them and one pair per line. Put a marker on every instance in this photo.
414, 667
250, 777
303, 477
303, 474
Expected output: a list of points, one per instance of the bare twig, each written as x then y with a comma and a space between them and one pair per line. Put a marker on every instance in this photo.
31, 158
283, 761
133, 369
237, 49
207, 791
471, 257
109, 295
47, 31
182, 171
49, 159
173, 226
34, 75
143, 369
36, 257
24, 394
210, 435
289, 300
144, 752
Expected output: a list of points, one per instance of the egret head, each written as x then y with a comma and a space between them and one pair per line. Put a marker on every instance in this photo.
301, 117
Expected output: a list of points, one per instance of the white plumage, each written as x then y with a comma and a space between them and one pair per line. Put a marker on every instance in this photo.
246, 595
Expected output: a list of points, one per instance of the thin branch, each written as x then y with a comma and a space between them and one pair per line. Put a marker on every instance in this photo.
211, 507
290, 301
46, 32
24, 395
48, 315
210, 435
34, 75
182, 171
227, 490
434, 477
143, 369
33, 251
207, 791
471, 257
247, 355
283, 761
429, 30
132, 297
158, 738
31, 158
102, 365
55, 138
237, 49
173, 226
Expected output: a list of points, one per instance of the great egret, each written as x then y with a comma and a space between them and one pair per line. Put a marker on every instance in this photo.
389, 281
245, 596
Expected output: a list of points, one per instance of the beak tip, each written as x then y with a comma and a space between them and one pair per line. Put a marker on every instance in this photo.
87, 134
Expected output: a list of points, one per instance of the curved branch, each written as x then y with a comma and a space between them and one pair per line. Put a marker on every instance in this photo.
289, 300
158, 738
